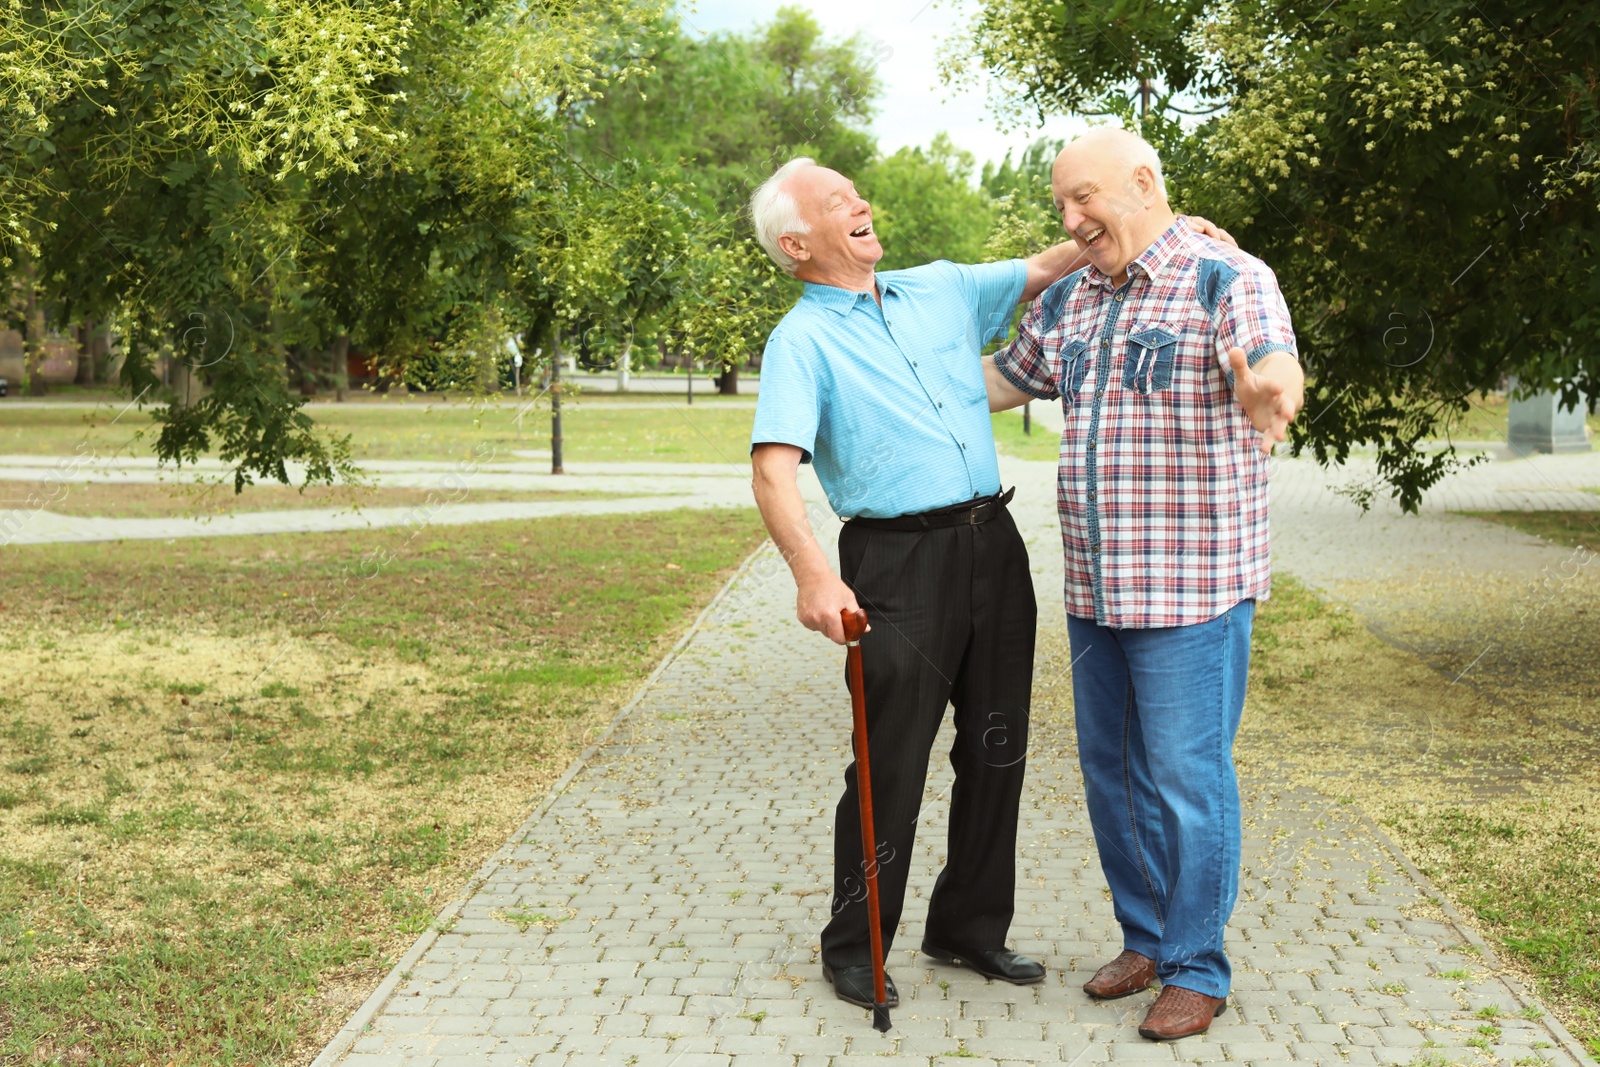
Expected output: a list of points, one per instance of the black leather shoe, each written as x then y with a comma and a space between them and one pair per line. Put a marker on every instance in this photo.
853, 985
997, 963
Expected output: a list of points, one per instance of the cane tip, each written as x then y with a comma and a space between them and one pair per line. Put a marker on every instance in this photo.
880, 1018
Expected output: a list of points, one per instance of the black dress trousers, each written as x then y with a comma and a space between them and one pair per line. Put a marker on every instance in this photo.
952, 615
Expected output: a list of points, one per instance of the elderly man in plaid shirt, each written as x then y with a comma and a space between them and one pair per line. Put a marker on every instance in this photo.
1174, 359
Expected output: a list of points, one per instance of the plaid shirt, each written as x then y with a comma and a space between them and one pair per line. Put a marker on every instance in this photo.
1162, 489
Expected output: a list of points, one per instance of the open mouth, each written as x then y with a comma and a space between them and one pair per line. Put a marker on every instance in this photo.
1092, 237
864, 231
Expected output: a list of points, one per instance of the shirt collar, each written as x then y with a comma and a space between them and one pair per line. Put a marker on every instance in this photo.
843, 301
1151, 261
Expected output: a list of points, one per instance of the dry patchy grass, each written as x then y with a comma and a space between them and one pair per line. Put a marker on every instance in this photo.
417, 429
234, 788
1488, 780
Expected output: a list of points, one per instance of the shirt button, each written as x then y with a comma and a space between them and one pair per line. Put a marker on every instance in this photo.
1095, 549
1099, 393
1105, 346
963, 444
1091, 446
940, 404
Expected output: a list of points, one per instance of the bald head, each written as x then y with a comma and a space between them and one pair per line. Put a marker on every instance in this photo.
1114, 144
1108, 187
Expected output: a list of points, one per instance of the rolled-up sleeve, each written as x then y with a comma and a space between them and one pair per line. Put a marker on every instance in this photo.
1252, 315
789, 405
1024, 362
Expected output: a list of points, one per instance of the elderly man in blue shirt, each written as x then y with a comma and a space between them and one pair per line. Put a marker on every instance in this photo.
876, 379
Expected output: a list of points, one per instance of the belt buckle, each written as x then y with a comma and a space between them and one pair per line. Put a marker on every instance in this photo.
972, 516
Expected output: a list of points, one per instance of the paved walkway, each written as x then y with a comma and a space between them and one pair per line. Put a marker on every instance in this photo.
642, 487
662, 908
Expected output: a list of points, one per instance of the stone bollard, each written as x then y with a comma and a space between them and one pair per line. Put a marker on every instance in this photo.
1538, 424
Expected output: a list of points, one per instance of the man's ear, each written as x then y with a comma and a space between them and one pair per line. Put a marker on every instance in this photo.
1145, 179
793, 246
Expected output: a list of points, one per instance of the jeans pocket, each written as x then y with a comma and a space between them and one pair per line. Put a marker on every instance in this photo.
1073, 368
1148, 366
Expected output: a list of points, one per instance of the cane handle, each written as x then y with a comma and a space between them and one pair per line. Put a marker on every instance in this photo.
855, 624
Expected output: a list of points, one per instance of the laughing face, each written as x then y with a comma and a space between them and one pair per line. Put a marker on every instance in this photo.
1105, 203
841, 248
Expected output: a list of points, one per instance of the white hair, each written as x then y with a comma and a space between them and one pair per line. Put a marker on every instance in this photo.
775, 212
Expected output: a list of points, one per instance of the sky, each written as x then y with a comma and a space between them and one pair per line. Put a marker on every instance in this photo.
907, 34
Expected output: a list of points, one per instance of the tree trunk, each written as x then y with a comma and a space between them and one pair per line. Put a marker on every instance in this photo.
107, 362
87, 365
186, 384
33, 335
728, 384
555, 403
339, 365
625, 364
304, 368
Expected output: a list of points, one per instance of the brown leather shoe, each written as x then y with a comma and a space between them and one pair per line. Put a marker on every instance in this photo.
1180, 1012
1129, 973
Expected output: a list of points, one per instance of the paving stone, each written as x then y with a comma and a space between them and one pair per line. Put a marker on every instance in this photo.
667, 853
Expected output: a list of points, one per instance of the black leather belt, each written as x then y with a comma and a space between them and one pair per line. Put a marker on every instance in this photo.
963, 514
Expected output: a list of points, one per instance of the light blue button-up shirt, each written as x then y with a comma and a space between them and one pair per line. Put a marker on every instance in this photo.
890, 402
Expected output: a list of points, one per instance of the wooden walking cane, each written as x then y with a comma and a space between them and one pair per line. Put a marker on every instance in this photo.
855, 624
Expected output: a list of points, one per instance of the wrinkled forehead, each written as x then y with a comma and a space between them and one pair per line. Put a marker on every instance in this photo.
1079, 168
816, 189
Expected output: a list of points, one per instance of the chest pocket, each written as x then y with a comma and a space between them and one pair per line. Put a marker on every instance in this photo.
1074, 365
952, 376
1147, 367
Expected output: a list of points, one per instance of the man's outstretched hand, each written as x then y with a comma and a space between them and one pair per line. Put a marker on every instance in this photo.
1271, 394
819, 603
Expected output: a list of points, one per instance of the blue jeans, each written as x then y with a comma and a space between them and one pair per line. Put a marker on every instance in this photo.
1157, 711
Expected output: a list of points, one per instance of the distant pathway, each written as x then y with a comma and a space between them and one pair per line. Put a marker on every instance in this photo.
648, 487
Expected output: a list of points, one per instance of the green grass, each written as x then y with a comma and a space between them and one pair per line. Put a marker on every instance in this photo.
243, 773
1573, 529
1487, 419
635, 428
1042, 444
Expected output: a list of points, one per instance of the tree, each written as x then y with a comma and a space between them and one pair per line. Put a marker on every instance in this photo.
1023, 205
710, 123
924, 206
731, 109
738, 297
1421, 177
1083, 59
285, 172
